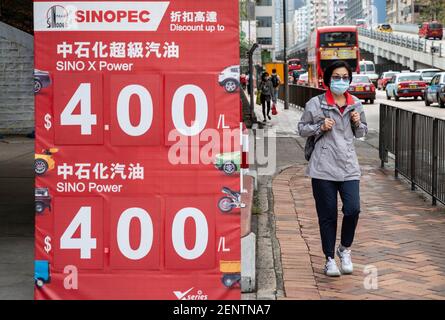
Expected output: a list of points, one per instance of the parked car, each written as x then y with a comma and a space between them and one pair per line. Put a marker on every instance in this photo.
432, 30
427, 74
42, 80
229, 162
384, 27
362, 87
435, 92
296, 74
44, 162
229, 78
368, 68
42, 199
41, 273
303, 80
384, 78
405, 85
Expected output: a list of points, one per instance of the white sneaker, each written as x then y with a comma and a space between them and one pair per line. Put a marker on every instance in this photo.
345, 258
331, 269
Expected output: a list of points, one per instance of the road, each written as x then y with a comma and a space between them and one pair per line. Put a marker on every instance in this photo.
372, 110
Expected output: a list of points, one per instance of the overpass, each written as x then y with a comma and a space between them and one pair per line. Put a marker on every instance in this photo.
402, 47
408, 50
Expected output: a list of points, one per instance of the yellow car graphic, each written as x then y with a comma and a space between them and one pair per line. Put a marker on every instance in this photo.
44, 162
231, 272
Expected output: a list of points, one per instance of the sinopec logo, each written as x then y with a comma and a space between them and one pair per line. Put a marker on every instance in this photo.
57, 17
99, 16
112, 16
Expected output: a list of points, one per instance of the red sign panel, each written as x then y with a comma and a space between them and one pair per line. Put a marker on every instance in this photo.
137, 154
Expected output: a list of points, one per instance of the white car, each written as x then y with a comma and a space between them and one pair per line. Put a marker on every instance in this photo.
368, 68
303, 80
229, 78
427, 74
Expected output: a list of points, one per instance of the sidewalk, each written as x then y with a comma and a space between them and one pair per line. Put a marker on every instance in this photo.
17, 218
399, 239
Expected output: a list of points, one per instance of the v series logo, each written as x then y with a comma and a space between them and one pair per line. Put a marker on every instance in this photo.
99, 16
186, 295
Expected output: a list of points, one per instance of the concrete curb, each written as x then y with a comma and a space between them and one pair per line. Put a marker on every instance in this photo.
248, 239
248, 267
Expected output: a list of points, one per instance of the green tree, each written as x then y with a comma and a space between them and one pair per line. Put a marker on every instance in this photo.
243, 9
432, 10
244, 42
17, 13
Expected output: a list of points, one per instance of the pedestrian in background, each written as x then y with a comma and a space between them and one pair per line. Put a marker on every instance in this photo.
266, 89
276, 81
243, 81
334, 119
248, 82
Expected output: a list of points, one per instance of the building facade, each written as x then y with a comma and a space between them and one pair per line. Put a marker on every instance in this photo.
354, 11
321, 13
361, 9
301, 24
339, 9
265, 27
405, 11
279, 26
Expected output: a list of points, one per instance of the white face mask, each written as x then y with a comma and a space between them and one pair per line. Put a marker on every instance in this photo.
339, 86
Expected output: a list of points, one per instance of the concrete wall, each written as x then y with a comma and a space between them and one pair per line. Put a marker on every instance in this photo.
16, 81
407, 28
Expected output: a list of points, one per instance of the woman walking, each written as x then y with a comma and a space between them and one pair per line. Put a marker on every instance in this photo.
266, 87
333, 119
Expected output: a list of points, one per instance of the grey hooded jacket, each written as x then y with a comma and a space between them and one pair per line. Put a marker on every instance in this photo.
334, 157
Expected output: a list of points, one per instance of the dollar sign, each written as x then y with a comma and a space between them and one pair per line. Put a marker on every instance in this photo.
47, 244
48, 123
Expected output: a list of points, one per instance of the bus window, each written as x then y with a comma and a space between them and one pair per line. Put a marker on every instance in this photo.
338, 39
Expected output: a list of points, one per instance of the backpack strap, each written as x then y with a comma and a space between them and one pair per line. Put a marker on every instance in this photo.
325, 112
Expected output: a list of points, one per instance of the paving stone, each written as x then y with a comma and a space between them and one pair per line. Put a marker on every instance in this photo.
403, 240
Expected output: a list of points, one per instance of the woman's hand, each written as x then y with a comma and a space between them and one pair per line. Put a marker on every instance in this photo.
327, 125
355, 118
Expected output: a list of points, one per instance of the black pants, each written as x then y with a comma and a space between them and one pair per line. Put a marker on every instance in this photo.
265, 102
325, 195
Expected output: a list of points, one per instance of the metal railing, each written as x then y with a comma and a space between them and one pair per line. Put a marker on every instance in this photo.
299, 95
418, 143
407, 41
410, 41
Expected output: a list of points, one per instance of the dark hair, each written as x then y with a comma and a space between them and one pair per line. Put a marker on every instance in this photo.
265, 73
274, 70
330, 69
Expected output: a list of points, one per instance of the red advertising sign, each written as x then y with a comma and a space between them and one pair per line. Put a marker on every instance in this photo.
137, 153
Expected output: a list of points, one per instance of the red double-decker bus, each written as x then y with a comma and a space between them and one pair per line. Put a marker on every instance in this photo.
294, 64
327, 44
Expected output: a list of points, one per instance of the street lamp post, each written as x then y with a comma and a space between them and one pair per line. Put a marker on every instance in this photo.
250, 56
286, 68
